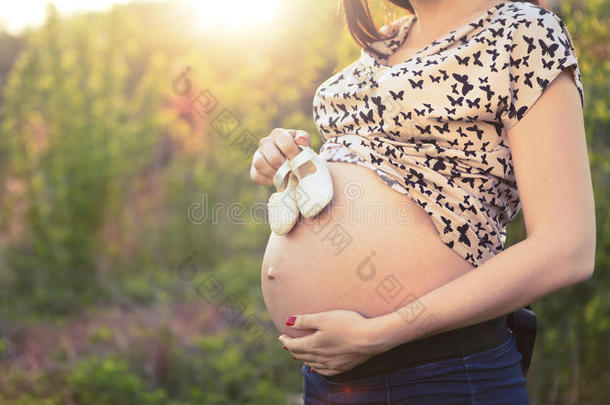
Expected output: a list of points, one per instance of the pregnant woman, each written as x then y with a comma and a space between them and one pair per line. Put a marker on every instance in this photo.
454, 117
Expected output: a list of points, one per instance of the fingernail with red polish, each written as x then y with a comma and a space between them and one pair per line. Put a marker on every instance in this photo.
294, 357
290, 320
285, 348
313, 371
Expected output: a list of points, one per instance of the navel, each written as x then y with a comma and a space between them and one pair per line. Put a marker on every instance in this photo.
270, 273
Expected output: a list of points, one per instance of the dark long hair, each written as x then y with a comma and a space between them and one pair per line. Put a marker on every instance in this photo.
362, 27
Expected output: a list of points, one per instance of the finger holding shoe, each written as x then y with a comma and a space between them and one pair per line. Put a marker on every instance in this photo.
273, 150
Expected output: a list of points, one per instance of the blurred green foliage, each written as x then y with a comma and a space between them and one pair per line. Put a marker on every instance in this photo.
569, 364
108, 168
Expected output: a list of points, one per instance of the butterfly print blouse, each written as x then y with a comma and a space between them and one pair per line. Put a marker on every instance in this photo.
433, 126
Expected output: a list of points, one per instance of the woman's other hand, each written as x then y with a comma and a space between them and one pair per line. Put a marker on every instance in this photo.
342, 340
273, 150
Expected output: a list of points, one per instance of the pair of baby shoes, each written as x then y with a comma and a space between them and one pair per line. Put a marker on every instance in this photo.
303, 185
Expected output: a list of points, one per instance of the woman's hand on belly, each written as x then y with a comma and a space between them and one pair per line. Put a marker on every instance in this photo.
342, 340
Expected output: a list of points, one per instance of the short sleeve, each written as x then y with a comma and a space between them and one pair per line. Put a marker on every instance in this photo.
540, 49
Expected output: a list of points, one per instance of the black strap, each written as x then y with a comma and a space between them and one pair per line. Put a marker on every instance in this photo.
523, 324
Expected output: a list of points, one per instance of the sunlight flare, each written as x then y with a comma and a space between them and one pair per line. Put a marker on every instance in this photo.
234, 14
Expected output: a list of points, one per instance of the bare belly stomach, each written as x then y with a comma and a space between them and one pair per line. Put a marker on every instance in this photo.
367, 251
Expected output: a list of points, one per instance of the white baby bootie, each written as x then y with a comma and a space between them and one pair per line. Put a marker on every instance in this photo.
315, 187
282, 205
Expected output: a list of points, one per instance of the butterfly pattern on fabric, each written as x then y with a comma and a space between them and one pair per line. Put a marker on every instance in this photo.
433, 127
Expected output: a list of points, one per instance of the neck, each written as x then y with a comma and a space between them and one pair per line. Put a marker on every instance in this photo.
434, 16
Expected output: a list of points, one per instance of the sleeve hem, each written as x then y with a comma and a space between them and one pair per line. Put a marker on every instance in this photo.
534, 95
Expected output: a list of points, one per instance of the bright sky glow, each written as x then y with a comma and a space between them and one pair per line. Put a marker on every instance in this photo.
18, 15
15, 16
234, 14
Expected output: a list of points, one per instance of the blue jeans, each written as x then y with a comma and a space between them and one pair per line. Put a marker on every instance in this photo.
488, 377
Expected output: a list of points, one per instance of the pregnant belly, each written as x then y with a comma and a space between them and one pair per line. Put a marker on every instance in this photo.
367, 251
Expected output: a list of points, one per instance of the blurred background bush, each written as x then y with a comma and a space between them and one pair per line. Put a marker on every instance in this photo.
127, 213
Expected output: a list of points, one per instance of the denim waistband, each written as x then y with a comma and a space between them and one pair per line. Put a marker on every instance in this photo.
446, 345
